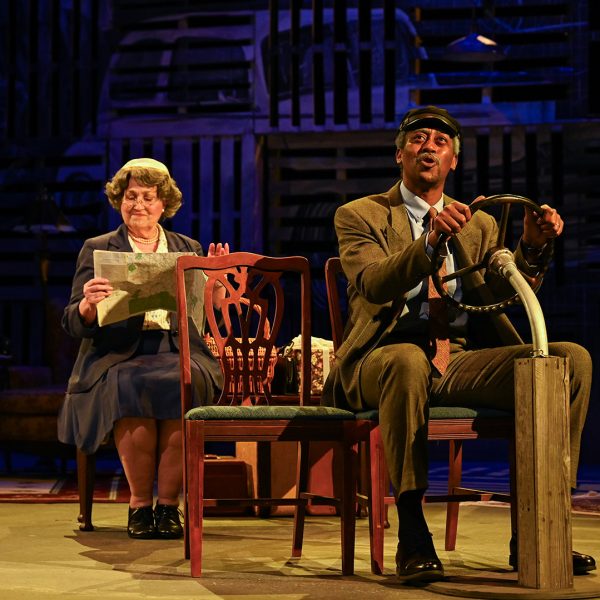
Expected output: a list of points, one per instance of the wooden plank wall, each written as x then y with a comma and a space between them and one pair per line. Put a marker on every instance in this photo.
309, 177
217, 175
286, 112
361, 62
53, 57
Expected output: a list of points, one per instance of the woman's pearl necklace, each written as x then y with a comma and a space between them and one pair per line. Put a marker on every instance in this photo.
142, 240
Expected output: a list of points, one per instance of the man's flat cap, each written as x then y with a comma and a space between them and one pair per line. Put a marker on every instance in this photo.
430, 117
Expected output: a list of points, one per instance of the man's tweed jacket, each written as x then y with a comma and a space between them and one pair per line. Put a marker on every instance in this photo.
382, 263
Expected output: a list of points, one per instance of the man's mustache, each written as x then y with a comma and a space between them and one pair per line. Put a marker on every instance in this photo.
429, 155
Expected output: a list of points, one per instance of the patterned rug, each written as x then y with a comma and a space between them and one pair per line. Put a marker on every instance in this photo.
47, 488
495, 478
112, 487
588, 502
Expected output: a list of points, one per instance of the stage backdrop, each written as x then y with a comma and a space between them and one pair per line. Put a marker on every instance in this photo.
270, 116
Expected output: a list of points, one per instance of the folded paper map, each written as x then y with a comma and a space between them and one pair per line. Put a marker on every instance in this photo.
143, 282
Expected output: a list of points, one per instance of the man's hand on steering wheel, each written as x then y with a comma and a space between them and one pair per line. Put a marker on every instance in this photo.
538, 229
542, 225
450, 220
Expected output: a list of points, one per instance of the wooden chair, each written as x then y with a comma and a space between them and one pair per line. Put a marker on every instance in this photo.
451, 424
245, 331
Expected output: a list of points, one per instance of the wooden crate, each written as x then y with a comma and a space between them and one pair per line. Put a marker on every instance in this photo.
283, 460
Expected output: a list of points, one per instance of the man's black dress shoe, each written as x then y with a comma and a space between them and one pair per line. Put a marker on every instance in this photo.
416, 560
582, 563
140, 524
419, 568
168, 525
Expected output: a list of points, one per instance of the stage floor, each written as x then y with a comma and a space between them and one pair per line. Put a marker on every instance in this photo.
43, 555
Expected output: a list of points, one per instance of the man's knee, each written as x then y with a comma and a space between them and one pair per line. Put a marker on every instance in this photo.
400, 360
404, 368
395, 374
580, 361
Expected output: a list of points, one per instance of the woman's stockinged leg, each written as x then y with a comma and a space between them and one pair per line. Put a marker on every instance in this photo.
136, 441
170, 479
170, 461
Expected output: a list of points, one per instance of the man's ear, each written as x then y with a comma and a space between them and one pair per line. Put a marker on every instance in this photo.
454, 162
398, 156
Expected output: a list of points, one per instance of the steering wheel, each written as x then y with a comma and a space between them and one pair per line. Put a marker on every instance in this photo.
437, 258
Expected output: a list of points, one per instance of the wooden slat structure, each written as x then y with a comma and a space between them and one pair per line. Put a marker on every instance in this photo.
271, 113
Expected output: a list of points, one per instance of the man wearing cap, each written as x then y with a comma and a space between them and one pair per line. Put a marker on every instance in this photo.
394, 357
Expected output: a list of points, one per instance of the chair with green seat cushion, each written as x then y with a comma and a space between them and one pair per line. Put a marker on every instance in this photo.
253, 295
298, 413
453, 424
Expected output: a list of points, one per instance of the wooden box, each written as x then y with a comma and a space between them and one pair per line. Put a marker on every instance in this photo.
283, 460
227, 477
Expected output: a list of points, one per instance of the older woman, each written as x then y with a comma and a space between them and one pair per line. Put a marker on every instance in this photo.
126, 376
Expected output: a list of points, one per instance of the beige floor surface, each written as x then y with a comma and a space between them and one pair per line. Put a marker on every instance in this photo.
44, 556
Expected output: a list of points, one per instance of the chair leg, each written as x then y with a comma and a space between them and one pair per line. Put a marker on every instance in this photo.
195, 493
387, 486
86, 475
263, 474
363, 478
454, 481
302, 473
377, 493
348, 508
185, 492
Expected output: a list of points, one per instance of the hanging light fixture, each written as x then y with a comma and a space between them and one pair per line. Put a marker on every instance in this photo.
475, 47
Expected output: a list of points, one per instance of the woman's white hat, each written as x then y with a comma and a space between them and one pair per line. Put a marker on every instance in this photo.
145, 163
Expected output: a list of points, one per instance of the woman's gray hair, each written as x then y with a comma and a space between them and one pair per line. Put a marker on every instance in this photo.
166, 187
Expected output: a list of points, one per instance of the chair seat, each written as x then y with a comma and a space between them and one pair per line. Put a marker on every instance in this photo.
462, 412
446, 412
262, 412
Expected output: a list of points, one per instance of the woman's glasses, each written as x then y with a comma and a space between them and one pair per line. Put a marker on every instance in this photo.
145, 200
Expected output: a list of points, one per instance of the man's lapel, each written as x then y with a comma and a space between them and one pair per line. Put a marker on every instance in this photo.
398, 231
467, 241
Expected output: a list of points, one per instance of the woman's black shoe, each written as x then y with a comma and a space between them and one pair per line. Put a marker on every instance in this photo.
140, 524
168, 525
